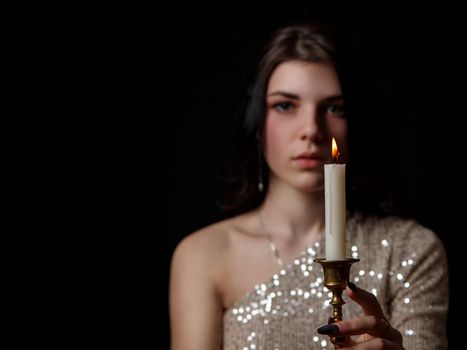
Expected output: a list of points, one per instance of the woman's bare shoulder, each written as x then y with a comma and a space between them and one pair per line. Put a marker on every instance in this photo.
221, 255
216, 239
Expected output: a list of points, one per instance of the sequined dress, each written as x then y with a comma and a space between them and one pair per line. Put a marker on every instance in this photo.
401, 262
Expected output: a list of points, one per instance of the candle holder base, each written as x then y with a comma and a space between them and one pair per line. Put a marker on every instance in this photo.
336, 276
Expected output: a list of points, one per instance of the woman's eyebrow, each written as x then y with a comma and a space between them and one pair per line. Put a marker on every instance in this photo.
297, 97
284, 94
334, 98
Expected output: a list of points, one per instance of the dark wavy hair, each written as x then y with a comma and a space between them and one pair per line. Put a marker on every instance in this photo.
309, 43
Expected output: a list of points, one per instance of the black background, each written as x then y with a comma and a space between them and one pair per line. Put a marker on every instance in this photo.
118, 125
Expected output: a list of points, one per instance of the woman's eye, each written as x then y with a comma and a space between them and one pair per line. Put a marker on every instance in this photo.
335, 109
283, 106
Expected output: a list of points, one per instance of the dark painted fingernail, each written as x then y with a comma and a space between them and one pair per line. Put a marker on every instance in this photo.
331, 320
328, 329
352, 287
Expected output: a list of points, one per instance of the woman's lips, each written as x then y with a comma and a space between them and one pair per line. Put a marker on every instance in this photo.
308, 162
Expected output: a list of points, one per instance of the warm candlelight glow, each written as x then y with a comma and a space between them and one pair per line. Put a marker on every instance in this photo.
335, 150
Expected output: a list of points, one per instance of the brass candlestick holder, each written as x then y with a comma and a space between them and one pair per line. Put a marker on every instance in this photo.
336, 276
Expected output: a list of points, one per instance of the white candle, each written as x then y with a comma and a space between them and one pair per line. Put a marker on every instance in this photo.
335, 209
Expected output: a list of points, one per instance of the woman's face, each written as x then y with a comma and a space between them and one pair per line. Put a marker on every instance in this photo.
305, 109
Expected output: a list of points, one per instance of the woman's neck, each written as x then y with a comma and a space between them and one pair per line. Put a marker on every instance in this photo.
293, 213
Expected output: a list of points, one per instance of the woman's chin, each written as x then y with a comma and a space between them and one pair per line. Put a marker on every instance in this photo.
311, 186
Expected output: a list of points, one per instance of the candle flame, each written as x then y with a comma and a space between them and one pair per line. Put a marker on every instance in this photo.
335, 150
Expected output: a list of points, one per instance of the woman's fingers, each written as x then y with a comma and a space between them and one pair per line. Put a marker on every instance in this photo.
370, 325
366, 300
365, 324
376, 344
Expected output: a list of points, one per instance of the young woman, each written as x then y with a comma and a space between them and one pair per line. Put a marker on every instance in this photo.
249, 282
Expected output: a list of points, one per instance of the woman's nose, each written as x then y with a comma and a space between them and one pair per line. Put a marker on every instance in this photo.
310, 128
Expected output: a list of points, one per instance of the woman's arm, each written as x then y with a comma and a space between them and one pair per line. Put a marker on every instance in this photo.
195, 307
419, 302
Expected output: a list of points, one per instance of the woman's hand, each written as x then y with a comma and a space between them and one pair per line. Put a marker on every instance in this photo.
373, 329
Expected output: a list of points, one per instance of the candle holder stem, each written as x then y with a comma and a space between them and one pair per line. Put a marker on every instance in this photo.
336, 276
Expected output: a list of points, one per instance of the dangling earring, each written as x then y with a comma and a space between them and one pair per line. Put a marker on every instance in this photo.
260, 172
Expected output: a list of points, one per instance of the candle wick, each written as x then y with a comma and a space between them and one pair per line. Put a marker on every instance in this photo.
336, 157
